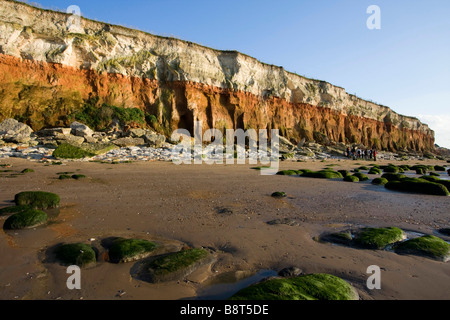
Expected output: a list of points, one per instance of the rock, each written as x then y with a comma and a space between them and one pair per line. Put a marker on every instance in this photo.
37, 200
301, 143
81, 130
69, 138
286, 221
154, 140
14, 131
127, 250
175, 266
290, 272
128, 142
307, 287
79, 254
379, 238
90, 139
285, 145
429, 246
28, 218
136, 133
52, 132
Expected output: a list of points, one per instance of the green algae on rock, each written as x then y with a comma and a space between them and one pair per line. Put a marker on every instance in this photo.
175, 266
13, 210
375, 170
79, 254
279, 194
126, 250
393, 176
361, 176
323, 174
68, 151
378, 238
380, 181
308, 287
28, 218
421, 186
288, 173
351, 178
429, 246
37, 199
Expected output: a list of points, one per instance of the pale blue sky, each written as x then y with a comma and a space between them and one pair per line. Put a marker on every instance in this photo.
405, 65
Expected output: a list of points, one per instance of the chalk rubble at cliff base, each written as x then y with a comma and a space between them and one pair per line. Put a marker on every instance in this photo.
136, 144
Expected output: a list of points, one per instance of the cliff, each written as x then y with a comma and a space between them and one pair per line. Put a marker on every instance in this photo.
49, 67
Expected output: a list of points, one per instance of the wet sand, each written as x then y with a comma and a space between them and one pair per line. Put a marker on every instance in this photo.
184, 205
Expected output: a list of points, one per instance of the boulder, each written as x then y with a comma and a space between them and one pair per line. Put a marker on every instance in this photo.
154, 140
128, 142
285, 145
69, 138
136, 133
53, 132
81, 130
14, 131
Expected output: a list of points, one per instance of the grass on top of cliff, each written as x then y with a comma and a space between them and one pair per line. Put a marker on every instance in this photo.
100, 117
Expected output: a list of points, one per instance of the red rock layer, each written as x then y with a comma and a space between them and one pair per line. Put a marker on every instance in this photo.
44, 94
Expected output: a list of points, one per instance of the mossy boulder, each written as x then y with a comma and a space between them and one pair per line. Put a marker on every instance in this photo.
288, 173
64, 177
126, 250
380, 181
439, 168
421, 171
28, 218
361, 176
68, 151
393, 176
27, 171
13, 210
279, 194
378, 238
391, 169
405, 167
37, 199
79, 254
344, 173
78, 176
429, 246
445, 231
323, 174
421, 186
375, 170
342, 237
308, 287
351, 178
175, 266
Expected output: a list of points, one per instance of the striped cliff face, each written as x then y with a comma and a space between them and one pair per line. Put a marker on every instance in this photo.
49, 67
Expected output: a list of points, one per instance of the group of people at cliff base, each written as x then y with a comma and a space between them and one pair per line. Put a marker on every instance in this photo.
356, 153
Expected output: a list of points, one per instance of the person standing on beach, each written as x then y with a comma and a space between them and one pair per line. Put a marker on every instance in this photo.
375, 153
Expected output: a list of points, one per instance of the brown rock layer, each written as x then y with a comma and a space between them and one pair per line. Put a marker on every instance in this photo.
44, 94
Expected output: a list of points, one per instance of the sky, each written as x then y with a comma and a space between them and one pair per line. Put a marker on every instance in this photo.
405, 64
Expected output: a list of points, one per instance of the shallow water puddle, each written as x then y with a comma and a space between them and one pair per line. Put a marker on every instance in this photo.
225, 285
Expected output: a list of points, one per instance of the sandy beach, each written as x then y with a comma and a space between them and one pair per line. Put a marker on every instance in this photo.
222, 207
